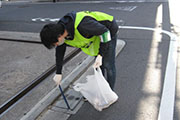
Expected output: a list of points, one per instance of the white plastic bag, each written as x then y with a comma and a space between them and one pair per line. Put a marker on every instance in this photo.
97, 90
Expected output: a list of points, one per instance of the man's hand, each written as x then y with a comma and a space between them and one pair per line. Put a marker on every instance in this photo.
57, 79
98, 61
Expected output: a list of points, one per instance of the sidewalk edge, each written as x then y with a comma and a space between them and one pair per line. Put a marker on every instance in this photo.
54, 93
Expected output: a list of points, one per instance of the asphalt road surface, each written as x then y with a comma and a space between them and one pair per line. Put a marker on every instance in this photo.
141, 66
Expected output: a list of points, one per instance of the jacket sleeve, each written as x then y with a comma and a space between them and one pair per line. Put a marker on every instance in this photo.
60, 52
90, 27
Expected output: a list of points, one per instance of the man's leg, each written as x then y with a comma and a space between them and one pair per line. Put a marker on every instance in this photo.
109, 62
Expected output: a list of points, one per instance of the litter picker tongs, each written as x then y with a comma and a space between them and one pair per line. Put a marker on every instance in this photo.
64, 97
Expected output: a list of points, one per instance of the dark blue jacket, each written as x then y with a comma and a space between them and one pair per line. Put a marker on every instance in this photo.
88, 27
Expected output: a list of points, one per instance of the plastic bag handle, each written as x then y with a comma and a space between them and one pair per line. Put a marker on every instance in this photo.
98, 69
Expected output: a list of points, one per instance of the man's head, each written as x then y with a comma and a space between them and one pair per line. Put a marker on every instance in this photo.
50, 34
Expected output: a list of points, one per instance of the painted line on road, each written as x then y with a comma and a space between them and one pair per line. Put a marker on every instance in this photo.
80, 2
93, 2
45, 19
132, 1
39, 19
126, 8
168, 94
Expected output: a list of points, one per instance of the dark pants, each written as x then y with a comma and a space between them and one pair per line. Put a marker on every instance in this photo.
108, 62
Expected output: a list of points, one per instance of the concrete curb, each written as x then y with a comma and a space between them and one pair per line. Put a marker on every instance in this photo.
20, 36
49, 98
73, 76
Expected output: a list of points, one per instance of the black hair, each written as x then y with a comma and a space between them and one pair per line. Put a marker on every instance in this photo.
49, 34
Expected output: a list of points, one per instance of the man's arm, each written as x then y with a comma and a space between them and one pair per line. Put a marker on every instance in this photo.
60, 52
90, 27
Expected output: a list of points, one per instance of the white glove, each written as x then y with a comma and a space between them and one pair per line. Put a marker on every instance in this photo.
98, 61
57, 79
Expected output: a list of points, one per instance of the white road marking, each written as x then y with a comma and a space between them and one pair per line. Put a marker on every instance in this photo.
57, 19
45, 19
93, 2
116, 1
125, 8
168, 95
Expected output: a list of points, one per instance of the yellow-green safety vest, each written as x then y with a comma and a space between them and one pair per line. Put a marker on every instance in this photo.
91, 45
